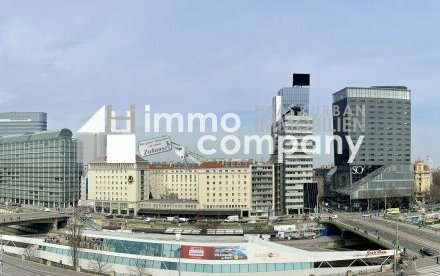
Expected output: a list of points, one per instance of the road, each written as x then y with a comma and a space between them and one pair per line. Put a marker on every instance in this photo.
17, 267
410, 237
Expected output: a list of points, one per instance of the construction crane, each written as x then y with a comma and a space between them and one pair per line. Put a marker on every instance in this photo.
164, 144
185, 154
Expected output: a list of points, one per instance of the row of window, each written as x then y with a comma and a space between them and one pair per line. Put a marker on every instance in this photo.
190, 267
223, 206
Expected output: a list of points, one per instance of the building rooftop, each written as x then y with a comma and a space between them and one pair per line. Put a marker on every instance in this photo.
169, 201
383, 92
209, 164
154, 237
36, 136
103, 159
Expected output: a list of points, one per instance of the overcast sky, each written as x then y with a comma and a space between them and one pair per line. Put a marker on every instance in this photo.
68, 58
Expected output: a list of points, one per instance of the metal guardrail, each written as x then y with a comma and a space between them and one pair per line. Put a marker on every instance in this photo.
23, 217
366, 235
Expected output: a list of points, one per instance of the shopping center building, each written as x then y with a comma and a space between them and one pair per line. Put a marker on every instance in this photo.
162, 254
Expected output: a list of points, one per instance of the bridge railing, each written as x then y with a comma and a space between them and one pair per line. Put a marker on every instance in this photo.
364, 233
28, 217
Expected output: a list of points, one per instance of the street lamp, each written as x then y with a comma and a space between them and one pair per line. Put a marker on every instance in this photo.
1, 252
396, 246
179, 251
317, 206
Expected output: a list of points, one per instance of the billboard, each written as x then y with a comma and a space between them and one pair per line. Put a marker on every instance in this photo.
301, 79
213, 253
154, 146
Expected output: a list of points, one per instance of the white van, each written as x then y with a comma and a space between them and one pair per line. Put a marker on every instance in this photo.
232, 219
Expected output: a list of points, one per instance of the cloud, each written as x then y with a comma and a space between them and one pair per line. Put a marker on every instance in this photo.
5, 97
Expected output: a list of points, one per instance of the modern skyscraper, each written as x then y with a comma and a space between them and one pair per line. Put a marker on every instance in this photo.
92, 146
295, 164
381, 116
22, 122
40, 169
294, 169
296, 95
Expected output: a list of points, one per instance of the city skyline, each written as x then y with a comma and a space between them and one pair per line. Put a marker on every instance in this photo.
231, 137
120, 58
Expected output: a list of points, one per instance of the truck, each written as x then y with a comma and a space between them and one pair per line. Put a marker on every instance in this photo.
393, 211
234, 218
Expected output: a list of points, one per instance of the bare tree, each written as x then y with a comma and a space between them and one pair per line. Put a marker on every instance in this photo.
74, 236
435, 188
30, 252
169, 195
393, 197
139, 268
375, 200
98, 265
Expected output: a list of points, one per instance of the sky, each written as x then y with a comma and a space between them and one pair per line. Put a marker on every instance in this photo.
68, 58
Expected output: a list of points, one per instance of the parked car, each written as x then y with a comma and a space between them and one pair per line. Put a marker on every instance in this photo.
183, 219
366, 215
108, 215
334, 216
148, 219
427, 251
252, 222
170, 219
192, 220
279, 219
46, 210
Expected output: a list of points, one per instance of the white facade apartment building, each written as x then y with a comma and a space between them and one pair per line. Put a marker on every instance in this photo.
215, 185
263, 189
173, 181
117, 187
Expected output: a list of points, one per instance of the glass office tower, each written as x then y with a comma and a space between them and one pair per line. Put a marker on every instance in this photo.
293, 171
40, 169
382, 166
294, 96
22, 122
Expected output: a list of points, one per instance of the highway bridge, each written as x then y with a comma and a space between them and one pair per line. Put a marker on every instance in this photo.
383, 232
410, 236
47, 220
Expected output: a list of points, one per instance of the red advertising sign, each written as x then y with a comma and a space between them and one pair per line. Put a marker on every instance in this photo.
376, 252
213, 253
196, 252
